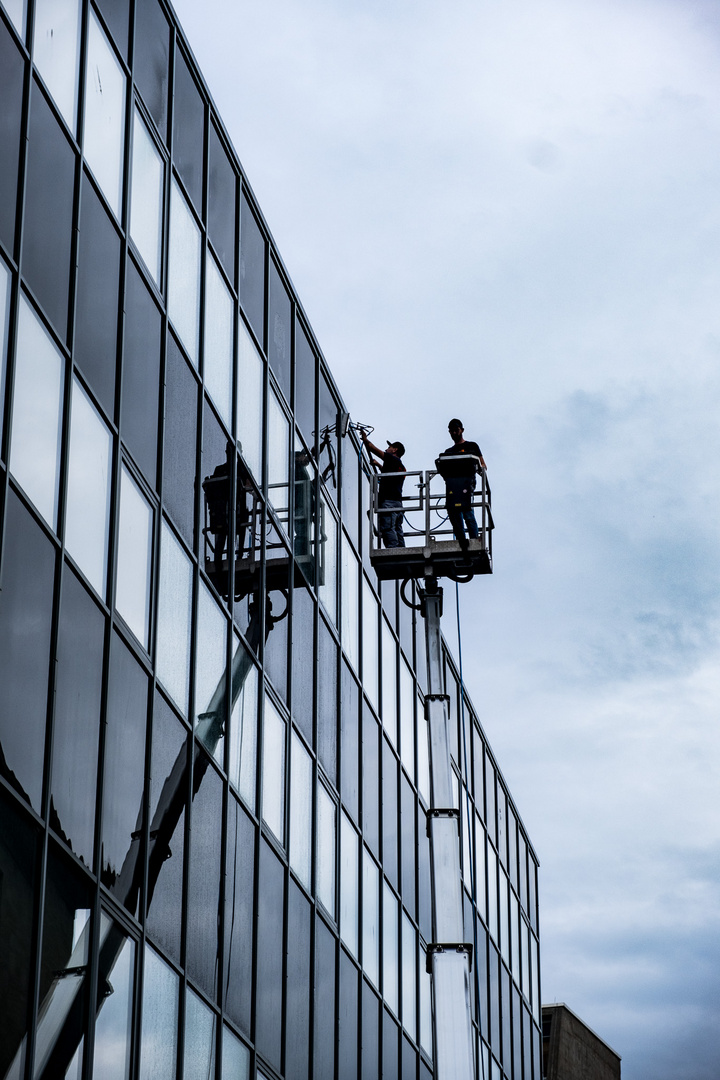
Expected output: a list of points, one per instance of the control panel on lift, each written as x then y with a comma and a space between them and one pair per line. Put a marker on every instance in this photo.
432, 503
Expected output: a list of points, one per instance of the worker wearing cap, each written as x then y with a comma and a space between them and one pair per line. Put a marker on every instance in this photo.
390, 490
459, 491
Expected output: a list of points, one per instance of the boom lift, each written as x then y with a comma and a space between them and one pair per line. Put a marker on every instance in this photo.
429, 555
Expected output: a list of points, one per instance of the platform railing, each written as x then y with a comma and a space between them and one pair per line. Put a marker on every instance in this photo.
424, 511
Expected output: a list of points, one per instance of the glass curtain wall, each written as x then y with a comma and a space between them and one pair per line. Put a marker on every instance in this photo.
213, 753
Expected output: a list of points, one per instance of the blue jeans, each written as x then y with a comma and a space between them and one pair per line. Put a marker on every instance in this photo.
390, 525
459, 519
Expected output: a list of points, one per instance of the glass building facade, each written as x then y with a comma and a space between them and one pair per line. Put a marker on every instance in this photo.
213, 753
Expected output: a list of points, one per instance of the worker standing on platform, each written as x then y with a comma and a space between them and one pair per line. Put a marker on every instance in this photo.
390, 490
459, 490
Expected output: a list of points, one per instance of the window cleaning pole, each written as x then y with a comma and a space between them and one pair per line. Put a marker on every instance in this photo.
449, 957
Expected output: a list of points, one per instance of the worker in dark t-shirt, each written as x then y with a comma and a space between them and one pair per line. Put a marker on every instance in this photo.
459, 490
390, 490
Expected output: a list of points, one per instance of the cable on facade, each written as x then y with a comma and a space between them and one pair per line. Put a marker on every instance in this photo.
471, 844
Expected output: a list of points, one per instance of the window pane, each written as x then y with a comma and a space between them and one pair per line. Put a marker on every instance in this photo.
159, 1019
139, 406
199, 1060
56, 44
203, 890
349, 884
113, 1027
370, 644
104, 119
279, 340
325, 866
12, 70
301, 811
18, 867
426, 1008
17, 10
350, 603
218, 340
408, 975
152, 51
188, 130
390, 949
124, 771
174, 618
37, 413
407, 719
88, 491
236, 1057
305, 365
26, 606
273, 770
249, 401
77, 717
252, 271
48, 217
184, 273
277, 452
134, 561
371, 918
210, 670
327, 574
96, 303
243, 723
180, 433
222, 202
146, 200
423, 758
389, 682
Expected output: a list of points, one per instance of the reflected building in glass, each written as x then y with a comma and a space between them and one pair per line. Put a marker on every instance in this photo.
213, 753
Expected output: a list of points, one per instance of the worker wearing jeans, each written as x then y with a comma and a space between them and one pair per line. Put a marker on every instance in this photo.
390, 492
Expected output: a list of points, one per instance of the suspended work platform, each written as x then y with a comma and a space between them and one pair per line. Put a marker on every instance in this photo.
456, 488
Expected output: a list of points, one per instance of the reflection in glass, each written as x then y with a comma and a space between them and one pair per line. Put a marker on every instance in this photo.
525, 950
301, 811
249, 400
134, 561
113, 1027
325, 862
423, 780
391, 980
159, 1019
174, 619
371, 918
350, 602
146, 198
370, 644
104, 117
88, 492
243, 724
504, 926
349, 885
492, 871
408, 975
273, 770
278, 448
480, 868
515, 936
236, 1057
199, 1060
407, 719
17, 10
389, 682
37, 413
19, 871
184, 273
425, 1008
4, 319
218, 347
210, 668
56, 45
327, 572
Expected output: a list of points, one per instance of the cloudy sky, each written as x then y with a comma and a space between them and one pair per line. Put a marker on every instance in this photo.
510, 211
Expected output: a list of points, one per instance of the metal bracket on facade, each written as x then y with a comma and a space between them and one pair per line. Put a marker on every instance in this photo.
448, 946
440, 812
437, 697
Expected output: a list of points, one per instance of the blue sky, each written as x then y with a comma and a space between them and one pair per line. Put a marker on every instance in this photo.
510, 212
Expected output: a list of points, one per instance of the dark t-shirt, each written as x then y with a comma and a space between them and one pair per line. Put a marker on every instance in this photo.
391, 487
466, 447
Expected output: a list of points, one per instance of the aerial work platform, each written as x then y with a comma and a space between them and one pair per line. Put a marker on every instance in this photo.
431, 548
